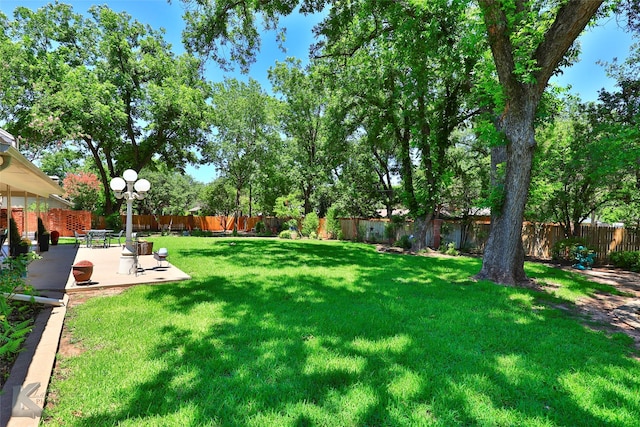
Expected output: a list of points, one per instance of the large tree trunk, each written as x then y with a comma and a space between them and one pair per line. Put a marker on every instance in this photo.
420, 228
503, 260
504, 255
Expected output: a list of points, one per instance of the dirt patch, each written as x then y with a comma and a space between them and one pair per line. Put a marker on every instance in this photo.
80, 297
619, 313
67, 346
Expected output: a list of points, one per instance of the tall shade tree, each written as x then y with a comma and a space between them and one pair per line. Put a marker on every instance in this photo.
400, 103
218, 198
619, 116
171, 192
244, 132
59, 162
528, 41
303, 105
107, 83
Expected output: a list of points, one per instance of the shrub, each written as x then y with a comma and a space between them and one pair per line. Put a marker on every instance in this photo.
201, 233
449, 249
390, 231
313, 235
565, 250
13, 330
42, 230
310, 224
285, 234
334, 231
260, 227
403, 242
291, 225
626, 259
14, 234
114, 221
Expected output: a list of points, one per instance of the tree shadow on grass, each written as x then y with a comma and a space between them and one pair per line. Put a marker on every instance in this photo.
279, 253
409, 341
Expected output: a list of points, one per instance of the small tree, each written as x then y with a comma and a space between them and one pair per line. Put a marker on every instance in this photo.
16, 243
333, 223
84, 189
14, 234
310, 225
289, 206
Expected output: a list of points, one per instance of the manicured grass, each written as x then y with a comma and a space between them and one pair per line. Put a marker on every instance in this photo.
273, 332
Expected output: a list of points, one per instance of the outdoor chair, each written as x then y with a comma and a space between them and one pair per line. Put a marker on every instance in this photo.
79, 238
161, 256
99, 238
117, 236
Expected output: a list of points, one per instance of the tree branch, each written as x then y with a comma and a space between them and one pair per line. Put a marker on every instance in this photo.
501, 47
571, 20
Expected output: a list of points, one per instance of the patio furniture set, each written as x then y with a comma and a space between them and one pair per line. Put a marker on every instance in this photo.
97, 238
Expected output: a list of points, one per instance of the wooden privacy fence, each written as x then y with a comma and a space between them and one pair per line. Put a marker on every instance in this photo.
537, 239
189, 222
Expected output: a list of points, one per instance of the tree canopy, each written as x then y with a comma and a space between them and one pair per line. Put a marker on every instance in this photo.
528, 40
107, 83
415, 103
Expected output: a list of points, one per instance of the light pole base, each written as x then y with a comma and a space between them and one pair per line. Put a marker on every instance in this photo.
127, 262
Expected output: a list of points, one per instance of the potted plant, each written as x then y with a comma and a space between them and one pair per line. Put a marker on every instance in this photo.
55, 236
17, 245
42, 236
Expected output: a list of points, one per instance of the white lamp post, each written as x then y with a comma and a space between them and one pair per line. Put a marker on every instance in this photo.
127, 259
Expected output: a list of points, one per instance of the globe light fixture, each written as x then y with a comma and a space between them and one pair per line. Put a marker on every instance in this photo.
129, 188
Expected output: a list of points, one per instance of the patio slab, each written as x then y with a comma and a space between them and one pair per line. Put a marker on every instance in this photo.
105, 270
52, 277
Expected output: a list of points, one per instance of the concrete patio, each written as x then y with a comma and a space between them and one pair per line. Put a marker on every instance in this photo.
52, 277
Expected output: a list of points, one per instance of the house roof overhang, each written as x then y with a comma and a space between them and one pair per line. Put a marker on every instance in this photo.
18, 174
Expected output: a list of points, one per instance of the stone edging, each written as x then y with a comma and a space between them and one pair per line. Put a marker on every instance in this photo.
34, 365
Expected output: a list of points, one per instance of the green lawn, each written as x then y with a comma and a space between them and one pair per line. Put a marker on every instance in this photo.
293, 333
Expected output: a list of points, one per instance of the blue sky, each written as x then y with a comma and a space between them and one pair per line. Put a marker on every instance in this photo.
603, 42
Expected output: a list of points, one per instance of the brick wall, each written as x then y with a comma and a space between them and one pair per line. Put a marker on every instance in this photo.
67, 221
62, 220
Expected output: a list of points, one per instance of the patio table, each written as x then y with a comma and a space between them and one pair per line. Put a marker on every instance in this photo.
98, 235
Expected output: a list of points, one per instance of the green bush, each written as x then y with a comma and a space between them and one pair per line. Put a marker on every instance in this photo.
310, 224
627, 259
13, 328
403, 242
260, 227
392, 227
114, 221
291, 224
285, 234
201, 233
390, 231
449, 249
14, 234
334, 231
42, 230
565, 250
